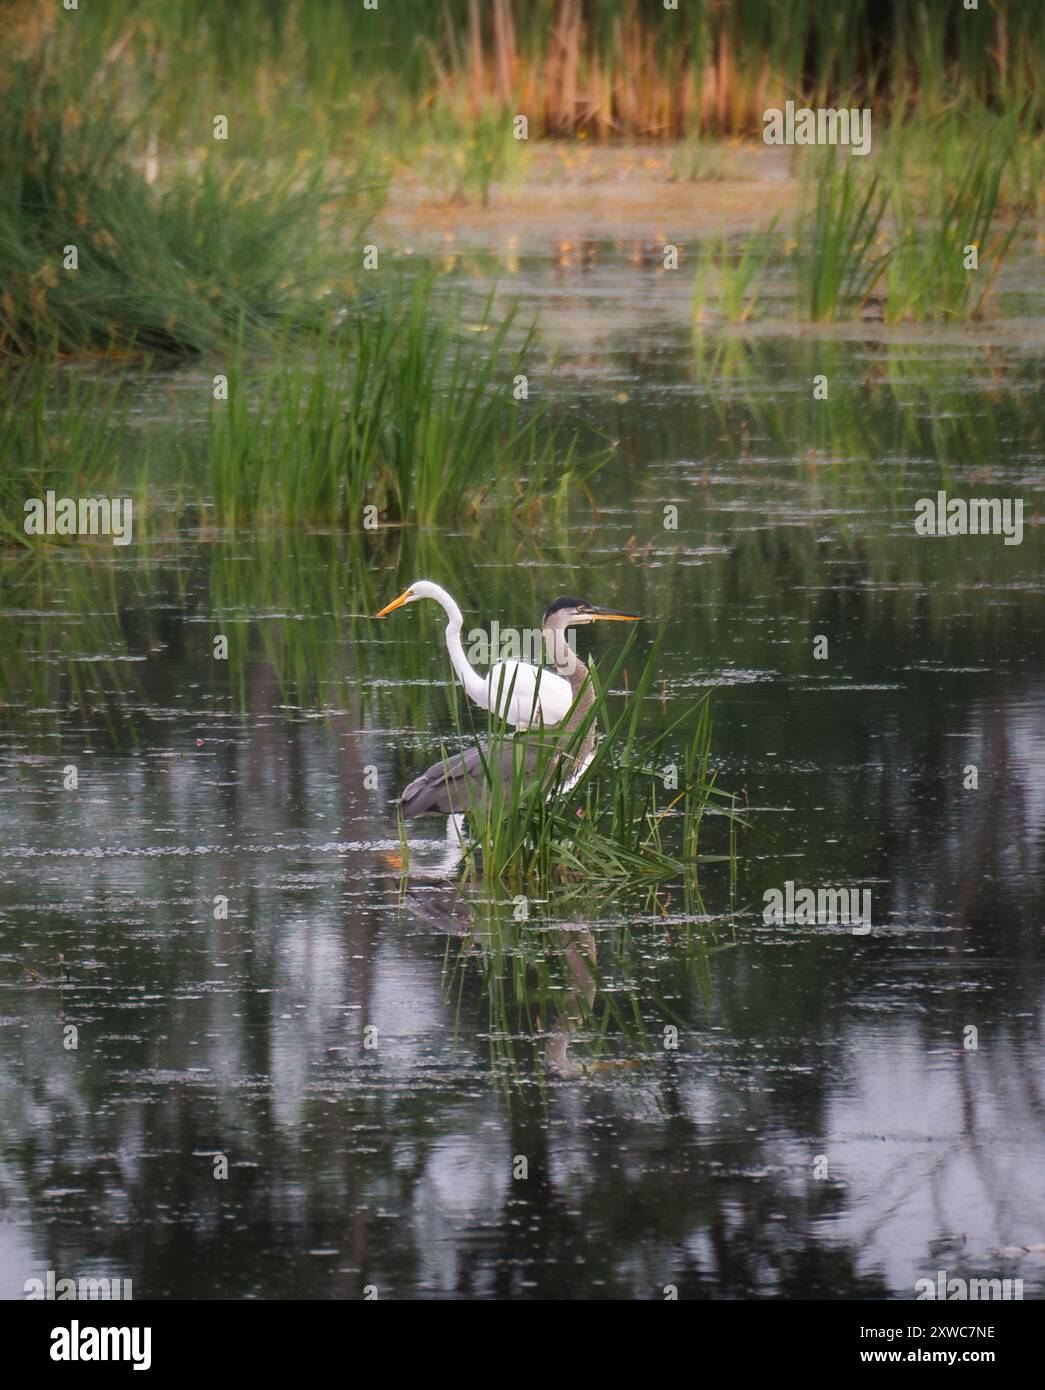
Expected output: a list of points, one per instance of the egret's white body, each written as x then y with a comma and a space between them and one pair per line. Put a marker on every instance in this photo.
523, 695
527, 696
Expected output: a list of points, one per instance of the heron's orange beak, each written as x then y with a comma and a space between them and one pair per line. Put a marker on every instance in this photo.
391, 607
610, 615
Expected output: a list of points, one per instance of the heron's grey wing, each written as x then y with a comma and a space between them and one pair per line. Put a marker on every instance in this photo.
453, 784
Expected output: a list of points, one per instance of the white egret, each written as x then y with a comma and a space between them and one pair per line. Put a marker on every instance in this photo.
523, 695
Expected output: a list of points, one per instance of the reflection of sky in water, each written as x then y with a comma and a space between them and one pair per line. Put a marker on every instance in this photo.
961, 1126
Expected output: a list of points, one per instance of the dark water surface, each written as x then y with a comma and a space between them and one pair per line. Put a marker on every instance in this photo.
822, 1128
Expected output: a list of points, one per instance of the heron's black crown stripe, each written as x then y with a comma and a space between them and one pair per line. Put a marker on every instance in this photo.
561, 603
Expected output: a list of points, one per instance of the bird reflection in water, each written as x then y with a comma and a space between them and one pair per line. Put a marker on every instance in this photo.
446, 909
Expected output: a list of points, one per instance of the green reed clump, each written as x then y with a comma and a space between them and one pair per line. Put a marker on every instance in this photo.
735, 274
837, 254
1024, 186
460, 154
411, 409
944, 263
904, 229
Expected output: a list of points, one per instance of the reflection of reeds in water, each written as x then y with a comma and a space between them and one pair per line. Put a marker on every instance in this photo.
65, 646
300, 609
68, 435
583, 998
72, 655
905, 406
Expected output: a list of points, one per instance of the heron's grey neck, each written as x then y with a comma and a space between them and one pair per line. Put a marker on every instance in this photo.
561, 654
569, 665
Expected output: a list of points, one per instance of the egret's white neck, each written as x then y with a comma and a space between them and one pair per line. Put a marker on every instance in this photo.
475, 686
449, 606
